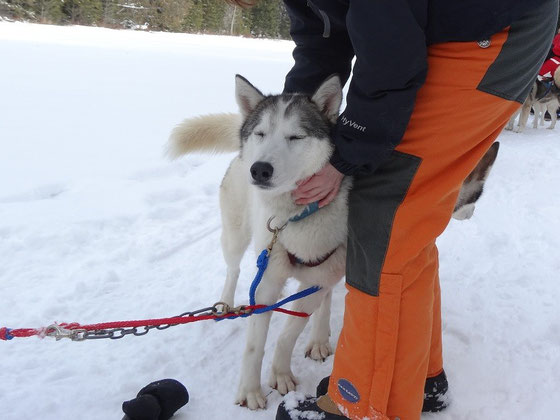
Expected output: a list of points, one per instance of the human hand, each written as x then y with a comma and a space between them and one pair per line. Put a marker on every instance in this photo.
322, 187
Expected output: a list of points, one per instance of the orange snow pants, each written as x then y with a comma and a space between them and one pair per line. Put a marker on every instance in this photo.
391, 337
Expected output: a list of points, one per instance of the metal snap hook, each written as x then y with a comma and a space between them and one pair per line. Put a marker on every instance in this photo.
276, 229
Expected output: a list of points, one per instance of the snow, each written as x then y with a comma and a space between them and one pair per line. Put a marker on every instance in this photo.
96, 225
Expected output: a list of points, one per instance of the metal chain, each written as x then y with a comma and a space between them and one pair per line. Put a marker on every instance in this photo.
219, 309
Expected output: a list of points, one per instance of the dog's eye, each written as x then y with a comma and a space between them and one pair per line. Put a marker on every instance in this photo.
296, 138
259, 134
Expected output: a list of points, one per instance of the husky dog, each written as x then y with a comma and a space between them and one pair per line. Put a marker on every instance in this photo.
540, 99
280, 140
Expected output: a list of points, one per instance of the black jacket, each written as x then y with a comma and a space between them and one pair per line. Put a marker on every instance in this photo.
389, 39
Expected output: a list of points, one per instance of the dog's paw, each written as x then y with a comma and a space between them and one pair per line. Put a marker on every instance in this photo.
283, 382
508, 127
518, 130
318, 351
253, 400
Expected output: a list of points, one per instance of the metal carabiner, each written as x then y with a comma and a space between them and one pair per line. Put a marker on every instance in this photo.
59, 332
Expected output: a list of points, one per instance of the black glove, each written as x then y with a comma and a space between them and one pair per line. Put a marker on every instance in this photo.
156, 401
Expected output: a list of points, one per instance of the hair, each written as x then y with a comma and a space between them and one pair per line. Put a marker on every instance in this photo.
245, 4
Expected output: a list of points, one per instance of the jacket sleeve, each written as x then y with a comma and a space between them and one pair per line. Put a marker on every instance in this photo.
323, 47
387, 38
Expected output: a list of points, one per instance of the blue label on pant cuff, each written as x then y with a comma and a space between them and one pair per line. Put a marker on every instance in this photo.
348, 391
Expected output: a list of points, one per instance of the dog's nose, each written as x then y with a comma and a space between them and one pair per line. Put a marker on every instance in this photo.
261, 171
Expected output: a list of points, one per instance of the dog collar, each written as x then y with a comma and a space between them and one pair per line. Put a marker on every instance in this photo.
308, 211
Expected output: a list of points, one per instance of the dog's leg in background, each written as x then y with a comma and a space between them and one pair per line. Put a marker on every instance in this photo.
281, 376
250, 392
319, 347
539, 114
552, 107
526, 109
511, 121
523, 117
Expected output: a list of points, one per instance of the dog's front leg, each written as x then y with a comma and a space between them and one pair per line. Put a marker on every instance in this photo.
249, 393
281, 376
319, 347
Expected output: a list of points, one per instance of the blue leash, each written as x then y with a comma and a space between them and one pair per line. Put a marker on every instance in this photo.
262, 264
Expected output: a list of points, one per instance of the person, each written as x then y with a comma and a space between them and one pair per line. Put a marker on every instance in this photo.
549, 68
433, 84
554, 51
552, 62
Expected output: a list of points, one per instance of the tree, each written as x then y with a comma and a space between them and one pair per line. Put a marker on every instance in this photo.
284, 29
194, 20
49, 11
266, 19
213, 16
85, 12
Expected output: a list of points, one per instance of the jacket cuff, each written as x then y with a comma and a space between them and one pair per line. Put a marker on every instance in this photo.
342, 166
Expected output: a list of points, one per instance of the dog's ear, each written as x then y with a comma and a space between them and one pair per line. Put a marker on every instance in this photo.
472, 187
248, 96
329, 97
482, 170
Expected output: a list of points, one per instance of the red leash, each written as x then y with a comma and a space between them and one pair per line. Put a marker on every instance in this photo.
119, 329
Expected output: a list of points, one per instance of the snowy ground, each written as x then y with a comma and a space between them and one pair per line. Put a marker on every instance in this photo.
96, 225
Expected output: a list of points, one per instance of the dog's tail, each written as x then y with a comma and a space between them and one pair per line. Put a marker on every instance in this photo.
214, 133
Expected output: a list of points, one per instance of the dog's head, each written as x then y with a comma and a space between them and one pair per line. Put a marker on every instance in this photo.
285, 138
474, 185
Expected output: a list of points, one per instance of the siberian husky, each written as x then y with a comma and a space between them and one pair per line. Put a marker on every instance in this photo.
280, 140
540, 99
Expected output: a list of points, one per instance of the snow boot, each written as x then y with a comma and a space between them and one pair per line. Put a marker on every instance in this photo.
434, 391
304, 408
156, 401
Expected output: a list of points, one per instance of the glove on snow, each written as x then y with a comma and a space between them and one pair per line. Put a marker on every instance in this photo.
156, 401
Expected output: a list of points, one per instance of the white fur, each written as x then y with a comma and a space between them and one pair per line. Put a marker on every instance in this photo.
209, 133
245, 209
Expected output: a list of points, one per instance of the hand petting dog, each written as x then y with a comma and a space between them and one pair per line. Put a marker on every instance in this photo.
322, 187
